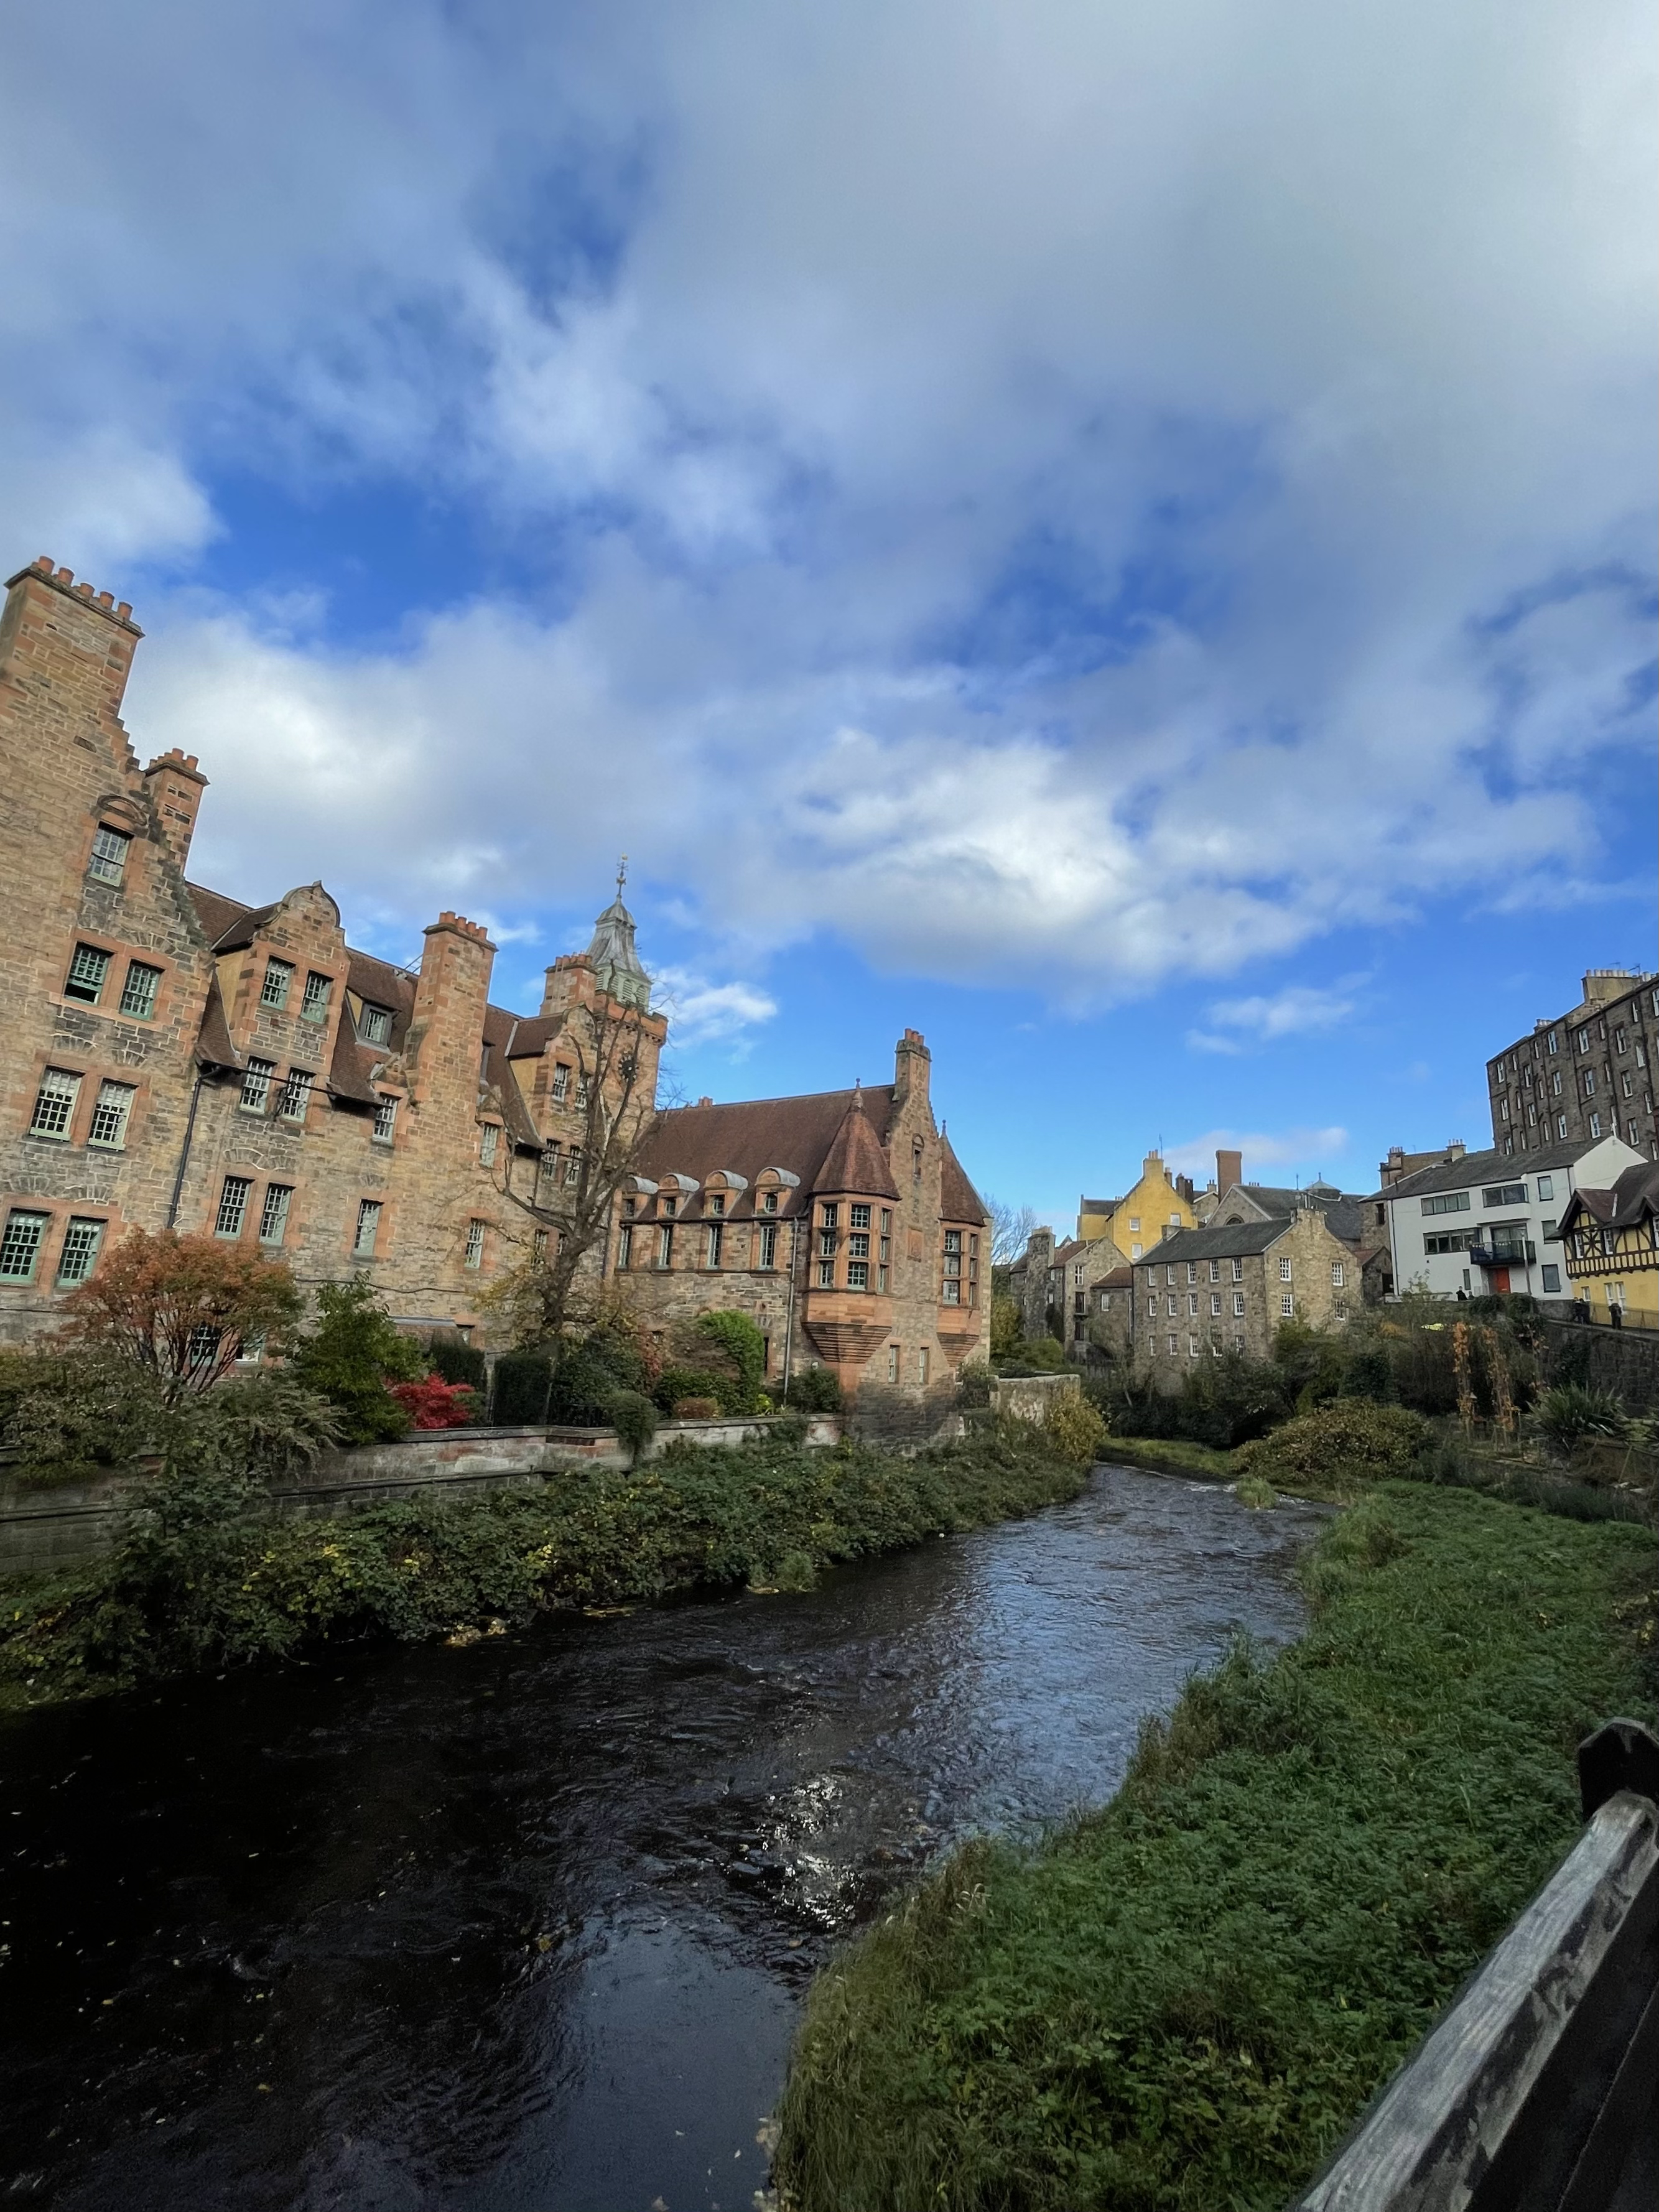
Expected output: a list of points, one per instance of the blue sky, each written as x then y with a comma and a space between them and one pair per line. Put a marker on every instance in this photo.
1118, 537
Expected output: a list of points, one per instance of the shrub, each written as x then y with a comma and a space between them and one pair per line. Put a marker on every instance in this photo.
266, 1425
435, 1404
1075, 1430
1341, 1444
456, 1361
70, 1415
814, 1391
350, 1356
634, 1417
1222, 1403
520, 1386
1007, 1327
675, 1383
975, 1383
1572, 1412
184, 1309
743, 1350
697, 1409
1033, 1355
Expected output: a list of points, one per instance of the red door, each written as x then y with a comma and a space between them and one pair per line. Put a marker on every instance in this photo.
1500, 1279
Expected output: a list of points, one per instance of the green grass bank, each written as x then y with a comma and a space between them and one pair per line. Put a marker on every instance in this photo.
207, 1581
1184, 2000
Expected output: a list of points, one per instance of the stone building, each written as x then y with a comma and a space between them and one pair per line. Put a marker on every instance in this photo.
172, 1056
1584, 1075
842, 1224
1228, 1287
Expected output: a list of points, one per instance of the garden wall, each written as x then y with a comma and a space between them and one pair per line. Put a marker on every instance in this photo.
1030, 1396
57, 1527
1623, 1360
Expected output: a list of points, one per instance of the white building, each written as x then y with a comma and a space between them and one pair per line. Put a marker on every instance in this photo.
1482, 1222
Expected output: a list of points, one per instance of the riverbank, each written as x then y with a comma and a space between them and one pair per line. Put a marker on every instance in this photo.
1185, 1999
1170, 1455
207, 1588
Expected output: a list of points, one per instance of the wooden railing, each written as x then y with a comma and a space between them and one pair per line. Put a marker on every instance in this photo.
1538, 2091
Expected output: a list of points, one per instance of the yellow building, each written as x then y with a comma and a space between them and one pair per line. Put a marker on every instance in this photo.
1157, 1204
1611, 1239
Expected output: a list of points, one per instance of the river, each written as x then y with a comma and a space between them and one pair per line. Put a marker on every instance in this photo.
525, 1926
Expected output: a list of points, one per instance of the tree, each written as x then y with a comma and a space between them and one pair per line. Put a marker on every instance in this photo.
185, 1308
1011, 1230
573, 1200
349, 1357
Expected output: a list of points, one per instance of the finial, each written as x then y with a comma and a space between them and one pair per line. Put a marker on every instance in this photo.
622, 873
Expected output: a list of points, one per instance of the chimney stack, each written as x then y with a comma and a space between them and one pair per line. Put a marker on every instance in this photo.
912, 1067
1229, 1171
175, 785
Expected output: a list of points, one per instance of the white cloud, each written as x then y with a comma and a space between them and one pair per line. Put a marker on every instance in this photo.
1295, 1011
702, 1013
862, 367
1311, 1152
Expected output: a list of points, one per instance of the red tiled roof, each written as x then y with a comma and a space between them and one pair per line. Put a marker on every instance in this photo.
855, 1161
958, 1200
751, 1135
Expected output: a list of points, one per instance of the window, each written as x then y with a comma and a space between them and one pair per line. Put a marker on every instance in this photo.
858, 1216
1175, 1345
1620, 1042
826, 1274
110, 1114
922, 1366
489, 1138
561, 1083
1532, 1116
1449, 1202
1284, 1271
375, 1025
973, 1266
1560, 1125
1551, 1276
711, 1251
915, 1171
1503, 1110
1555, 1082
202, 1346
1238, 1271
1238, 1344
255, 1085
368, 1227
54, 1105
717, 1203
1287, 1306
475, 1236
1215, 1303
79, 1252
1595, 1125
1509, 1146
1192, 1271
1168, 1277
1338, 1309
1134, 1222
1135, 1251
233, 1205
1170, 1307
1215, 1271
625, 1246
1238, 1305
538, 1249
828, 1215
892, 1363
1504, 1194
279, 975
295, 1094
768, 1244
1456, 1240
770, 1203
1582, 1038
109, 854
858, 1274
951, 1288
1192, 1302
1339, 1280
138, 991
386, 1120
1151, 1347
1550, 1236
670, 1205
857, 1245
1555, 1040
666, 1245
19, 1246
1589, 1082
273, 1214
87, 971
313, 999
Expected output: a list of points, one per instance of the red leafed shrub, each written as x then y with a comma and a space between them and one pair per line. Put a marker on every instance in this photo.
435, 1404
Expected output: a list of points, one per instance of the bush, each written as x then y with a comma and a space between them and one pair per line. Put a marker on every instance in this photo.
158, 1300
975, 1383
522, 1383
1075, 1430
350, 1355
675, 1384
1222, 1403
435, 1404
1032, 1355
814, 1391
634, 1417
1331, 1451
697, 1409
72, 1415
1573, 1412
742, 1349
455, 1361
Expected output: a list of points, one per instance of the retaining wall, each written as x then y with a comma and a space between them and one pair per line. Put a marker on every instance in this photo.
1624, 1360
1029, 1397
59, 1527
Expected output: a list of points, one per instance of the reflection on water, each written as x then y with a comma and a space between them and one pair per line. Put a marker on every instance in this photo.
527, 1925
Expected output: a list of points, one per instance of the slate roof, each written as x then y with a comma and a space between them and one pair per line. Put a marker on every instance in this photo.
855, 1160
1633, 1197
1487, 1167
751, 1135
958, 1200
1342, 1209
1236, 1240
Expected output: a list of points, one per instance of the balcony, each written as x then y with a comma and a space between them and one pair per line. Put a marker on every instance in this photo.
1501, 1248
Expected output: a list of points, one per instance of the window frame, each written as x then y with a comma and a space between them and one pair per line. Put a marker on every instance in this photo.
230, 1214
68, 1089
144, 1011
274, 1207
86, 992
370, 1212
118, 1110
472, 1256
276, 985
8, 1244
97, 862
98, 1224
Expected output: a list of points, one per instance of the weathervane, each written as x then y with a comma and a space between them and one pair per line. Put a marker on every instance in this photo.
622, 873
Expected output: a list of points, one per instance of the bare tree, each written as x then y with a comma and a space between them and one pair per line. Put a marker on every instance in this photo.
572, 1200
1011, 1230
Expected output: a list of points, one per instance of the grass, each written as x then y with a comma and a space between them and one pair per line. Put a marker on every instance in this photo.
1169, 1455
207, 1588
1184, 2001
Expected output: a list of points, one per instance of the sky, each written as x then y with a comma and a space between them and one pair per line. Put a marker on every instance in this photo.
1120, 538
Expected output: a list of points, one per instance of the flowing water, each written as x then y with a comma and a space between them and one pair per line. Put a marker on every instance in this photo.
525, 1927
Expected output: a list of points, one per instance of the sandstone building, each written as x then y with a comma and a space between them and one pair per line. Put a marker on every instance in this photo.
1228, 1287
1584, 1076
172, 1056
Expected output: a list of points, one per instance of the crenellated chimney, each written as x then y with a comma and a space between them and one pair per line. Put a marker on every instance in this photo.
912, 1069
446, 1032
71, 646
175, 785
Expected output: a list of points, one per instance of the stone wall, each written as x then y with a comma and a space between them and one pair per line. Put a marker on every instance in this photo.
1623, 1360
59, 1527
1029, 1397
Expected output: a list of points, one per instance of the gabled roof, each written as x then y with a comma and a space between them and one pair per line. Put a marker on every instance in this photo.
1235, 1240
958, 1200
855, 1160
751, 1135
1488, 1167
1632, 1199
1117, 1278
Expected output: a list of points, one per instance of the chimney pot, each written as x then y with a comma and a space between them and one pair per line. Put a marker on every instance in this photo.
44, 561
106, 598
66, 576
123, 608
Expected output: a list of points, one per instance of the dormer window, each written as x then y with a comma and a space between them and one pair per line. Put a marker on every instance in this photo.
279, 977
314, 1002
717, 1203
669, 1206
109, 854
770, 1203
375, 1025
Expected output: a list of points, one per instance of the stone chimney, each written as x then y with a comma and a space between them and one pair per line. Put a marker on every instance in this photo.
70, 647
445, 1031
1603, 984
1229, 1171
175, 785
912, 1067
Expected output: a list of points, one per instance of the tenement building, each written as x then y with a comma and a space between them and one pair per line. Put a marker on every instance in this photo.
1583, 1076
1207, 1292
173, 1056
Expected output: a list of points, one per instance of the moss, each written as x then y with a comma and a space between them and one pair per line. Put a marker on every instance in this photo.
1183, 2000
